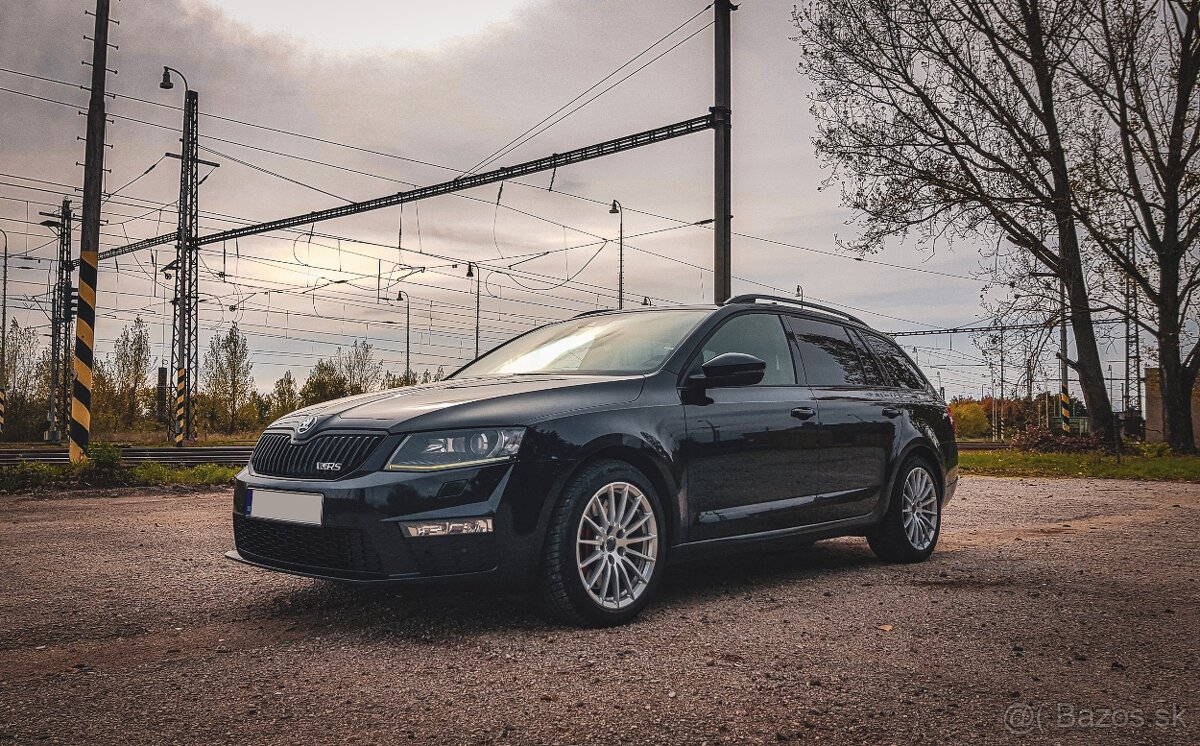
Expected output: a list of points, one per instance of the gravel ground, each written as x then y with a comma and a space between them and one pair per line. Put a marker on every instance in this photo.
1068, 606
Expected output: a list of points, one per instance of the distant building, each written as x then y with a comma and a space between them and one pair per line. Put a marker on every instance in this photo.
1154, 415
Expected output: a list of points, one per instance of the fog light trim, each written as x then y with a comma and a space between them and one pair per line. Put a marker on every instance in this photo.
454, 527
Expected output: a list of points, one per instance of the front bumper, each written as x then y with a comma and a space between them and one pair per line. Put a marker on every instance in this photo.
361, 540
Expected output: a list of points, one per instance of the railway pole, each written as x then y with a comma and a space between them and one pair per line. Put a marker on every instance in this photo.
722, 157
89, 241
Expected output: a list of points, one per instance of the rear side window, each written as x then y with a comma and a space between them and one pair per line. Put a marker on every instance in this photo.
901, 370
874, 374
757, 334
828, 354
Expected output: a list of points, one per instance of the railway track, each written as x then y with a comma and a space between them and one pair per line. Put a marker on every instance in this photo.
194, 456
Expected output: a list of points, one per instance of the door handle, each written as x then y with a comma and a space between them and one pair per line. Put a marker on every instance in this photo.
803, 413
890, 412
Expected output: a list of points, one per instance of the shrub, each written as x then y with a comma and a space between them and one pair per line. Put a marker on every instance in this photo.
104, 454
152, 472
28, 476
1040, 440
1151, 450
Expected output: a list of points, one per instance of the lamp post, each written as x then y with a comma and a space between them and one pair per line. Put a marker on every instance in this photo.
617, 209
407, 332
186, 281
52, 435
478, 276
4, 336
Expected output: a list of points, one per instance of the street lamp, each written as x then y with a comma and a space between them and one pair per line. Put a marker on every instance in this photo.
52, 434
617, 209
184, 342
478, 276
166, 84
4, 336
407, 333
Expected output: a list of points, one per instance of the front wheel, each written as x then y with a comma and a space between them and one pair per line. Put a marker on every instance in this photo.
605, 550
913, 522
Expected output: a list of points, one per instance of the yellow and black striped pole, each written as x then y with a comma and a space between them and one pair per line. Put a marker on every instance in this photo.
89, 241
3, 402
180, 406
1064, 410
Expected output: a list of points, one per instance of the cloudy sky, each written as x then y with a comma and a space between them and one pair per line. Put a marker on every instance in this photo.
384, 95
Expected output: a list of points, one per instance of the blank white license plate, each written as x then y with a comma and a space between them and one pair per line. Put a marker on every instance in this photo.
275, 505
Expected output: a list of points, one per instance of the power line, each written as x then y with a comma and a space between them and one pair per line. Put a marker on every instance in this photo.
525, 136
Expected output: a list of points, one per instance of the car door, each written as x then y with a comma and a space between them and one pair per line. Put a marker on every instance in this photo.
924, 411
750, 450
857, 424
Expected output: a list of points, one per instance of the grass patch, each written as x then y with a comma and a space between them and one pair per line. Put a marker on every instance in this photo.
1018, 464
30, 476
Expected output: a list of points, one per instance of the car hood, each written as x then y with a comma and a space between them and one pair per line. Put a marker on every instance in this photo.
466, 402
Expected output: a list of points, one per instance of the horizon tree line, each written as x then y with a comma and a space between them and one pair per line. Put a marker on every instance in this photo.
126, 400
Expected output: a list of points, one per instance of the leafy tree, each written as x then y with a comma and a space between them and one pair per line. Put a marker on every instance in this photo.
284, 398
227, 377
394, 381
106, 411
325, 382
25, 399
130, 373
256, 410
970, 419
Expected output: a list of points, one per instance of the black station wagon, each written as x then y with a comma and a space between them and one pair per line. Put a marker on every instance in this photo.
583, 456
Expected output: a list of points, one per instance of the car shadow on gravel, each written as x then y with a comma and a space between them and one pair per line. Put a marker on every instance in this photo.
766, 569
444, 614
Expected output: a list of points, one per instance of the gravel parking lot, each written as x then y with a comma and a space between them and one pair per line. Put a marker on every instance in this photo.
1057, 611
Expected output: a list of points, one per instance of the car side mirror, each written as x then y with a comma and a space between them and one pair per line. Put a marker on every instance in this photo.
729, 369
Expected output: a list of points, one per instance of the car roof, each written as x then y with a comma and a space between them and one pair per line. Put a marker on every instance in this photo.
792, 306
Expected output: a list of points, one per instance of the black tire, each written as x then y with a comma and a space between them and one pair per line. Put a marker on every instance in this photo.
562, 588
891, 540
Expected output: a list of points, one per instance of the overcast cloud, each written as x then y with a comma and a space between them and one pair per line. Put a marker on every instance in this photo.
446, 84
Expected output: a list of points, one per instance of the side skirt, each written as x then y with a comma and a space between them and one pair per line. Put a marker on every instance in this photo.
692, 550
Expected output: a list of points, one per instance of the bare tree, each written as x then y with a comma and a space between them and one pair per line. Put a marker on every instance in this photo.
1070, 127
358, 366
1139, 65
946, 117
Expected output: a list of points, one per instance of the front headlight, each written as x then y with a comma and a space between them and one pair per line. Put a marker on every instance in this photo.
455, 448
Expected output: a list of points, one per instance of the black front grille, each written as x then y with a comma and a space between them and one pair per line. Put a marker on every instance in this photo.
317, 547
277, 456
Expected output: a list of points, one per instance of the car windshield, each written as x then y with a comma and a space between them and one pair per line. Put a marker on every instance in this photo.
608, 344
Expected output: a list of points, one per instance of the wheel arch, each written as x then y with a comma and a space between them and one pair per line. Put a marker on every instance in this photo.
921, 448
637, 453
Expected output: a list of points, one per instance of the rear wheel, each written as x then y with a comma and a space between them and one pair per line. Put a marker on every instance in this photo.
910, 529
604, 547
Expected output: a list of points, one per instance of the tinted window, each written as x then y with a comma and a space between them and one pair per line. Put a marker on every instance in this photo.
899, 367
874, 374
757, 334
828, 354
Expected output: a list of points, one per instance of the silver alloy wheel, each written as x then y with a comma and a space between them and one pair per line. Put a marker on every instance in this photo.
616, 545
920, 508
